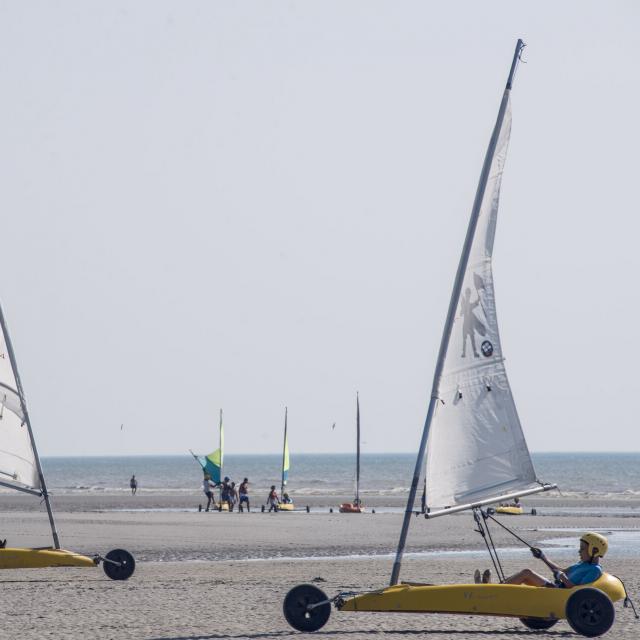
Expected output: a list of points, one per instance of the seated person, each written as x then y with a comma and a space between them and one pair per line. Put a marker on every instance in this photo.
286, 499
593, 546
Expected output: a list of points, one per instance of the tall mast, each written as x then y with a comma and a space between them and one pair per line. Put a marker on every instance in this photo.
284, 453
25, 413
221, 443
453, 304
357, 448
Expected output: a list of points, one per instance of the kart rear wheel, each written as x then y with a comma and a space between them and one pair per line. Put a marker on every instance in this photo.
298, 615
119, 572
538, 624
590, 612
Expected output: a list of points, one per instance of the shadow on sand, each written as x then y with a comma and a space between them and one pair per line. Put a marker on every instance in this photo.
514, 631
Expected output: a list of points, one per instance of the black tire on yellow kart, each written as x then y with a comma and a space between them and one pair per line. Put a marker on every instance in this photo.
590, 612
297, 613
538, 624
122, 571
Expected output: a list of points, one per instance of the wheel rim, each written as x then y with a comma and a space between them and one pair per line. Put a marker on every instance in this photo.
302, 610
590, 612
307, 614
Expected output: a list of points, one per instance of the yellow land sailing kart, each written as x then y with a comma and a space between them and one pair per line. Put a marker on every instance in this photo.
118, 564
587, 608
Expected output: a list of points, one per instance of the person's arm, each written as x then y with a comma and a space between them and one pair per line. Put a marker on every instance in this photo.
559, 574
538, 553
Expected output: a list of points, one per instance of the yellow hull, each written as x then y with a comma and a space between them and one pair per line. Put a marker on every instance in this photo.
41, 558
286, 507
510, 511
519, 601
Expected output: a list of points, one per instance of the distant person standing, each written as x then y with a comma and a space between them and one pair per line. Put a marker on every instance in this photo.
226, 490
207, 488
233, 496
244, 495
133, 483
272, 499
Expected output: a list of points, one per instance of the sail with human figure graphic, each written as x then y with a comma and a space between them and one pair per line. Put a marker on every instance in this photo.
476, 449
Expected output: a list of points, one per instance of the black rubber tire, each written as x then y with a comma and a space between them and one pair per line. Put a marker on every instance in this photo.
126, 568
538, 624
590, 612
295, 610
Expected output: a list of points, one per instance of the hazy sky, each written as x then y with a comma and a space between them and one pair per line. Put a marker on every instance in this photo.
259, 204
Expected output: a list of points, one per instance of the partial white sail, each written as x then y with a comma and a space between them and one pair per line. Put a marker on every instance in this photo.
476, 449
17, 458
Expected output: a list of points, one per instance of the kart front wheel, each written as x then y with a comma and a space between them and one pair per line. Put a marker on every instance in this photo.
297, 612
590, 612
538, 624
125, 567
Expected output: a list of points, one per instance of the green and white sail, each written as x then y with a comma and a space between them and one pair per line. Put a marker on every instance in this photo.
212, 463
285, 457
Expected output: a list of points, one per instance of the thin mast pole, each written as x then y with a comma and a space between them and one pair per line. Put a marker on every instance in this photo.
25, 413
358, 448
284, 449
453, 305
221, 457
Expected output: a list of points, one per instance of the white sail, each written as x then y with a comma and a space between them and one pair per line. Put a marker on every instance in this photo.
17, 459
476, 449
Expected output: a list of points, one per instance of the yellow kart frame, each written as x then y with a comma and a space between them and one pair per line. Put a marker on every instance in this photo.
118, 564
588, 608
41, 558
519, 601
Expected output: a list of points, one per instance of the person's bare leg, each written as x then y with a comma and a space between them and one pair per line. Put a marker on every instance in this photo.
528, 577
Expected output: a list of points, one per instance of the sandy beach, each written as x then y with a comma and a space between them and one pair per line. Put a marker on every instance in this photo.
220, 575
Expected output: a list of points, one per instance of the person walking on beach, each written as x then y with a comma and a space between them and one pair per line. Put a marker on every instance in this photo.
133, 483
593, 547
244, 495
272, 499
207, 487
226, 487
233, 496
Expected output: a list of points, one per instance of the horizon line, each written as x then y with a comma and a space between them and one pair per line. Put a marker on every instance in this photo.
306, 453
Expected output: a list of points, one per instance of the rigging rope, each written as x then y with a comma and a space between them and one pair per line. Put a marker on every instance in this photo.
515, 535
483, 530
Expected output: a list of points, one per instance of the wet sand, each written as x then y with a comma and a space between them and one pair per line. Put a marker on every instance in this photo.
221, 575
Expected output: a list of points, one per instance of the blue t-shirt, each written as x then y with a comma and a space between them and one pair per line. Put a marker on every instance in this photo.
584, 572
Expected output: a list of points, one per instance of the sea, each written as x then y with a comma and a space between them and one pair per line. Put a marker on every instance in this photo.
613, 476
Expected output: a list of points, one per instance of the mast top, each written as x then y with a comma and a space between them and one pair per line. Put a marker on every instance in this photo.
517, 56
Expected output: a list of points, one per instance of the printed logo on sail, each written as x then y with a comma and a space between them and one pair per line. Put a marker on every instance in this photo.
487, 348
471, 323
